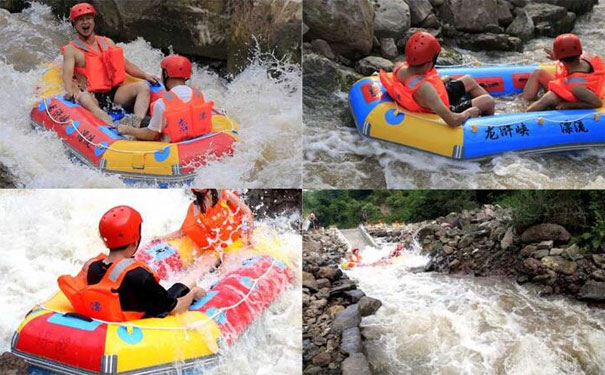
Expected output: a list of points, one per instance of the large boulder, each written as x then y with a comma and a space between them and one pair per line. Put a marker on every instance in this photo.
489, 42
392, 18
351, 341
420, 10
368, 305
550, 20
545, 232
593, 290
505, 17
320, 76
560, 265
348, 318
13, 5
348, 25
579, 7
456, 13
356, 364
522, 26
369, 65
553, 29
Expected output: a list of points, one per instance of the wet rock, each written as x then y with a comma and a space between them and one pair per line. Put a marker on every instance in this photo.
322, 47
331, 273
505, 17
10, 364
342, 286
599, 260
388, 49
356, 364
308, 281
7, 179
348, 25
420, 10
449, 56
598, 275
539, 254
489, 42
348, 318
392, 18
593, 290
507, 240
13, 6
368, 305
456, 13
322, 359
431, 22
368, 65
579, 7
522, 26
351, 341
355, 295
560, 265
553, 29
543, 232
545, 12
573, 253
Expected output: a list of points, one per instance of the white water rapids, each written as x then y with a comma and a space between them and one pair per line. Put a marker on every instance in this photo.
437, 324
46, 233
269, 154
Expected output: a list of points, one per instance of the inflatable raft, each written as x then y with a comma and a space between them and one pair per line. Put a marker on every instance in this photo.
56, 340
100, 146
378, 116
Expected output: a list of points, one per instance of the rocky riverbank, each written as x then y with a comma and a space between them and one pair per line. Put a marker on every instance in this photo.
11, 365
222, 32
484, 242
344, 40
7, 179
333, 308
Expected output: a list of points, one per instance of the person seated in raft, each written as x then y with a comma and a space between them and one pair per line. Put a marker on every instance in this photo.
94, 70
215, 220
354, 259
116, 287
181, 113
578, 84
417, 86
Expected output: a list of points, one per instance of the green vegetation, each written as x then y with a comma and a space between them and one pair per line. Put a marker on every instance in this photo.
580, 212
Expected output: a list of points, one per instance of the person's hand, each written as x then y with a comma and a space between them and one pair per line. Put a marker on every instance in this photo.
72, 94
473, 112
549, 53
151, 78
198, 293
123, 129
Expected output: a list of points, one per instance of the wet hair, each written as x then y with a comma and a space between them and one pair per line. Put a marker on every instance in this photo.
571, 59
199, 199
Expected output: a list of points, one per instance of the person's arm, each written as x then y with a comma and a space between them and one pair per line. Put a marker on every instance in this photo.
69, 63
236, 201
427, 97
134, 70
143, 134
586, 99
184, 302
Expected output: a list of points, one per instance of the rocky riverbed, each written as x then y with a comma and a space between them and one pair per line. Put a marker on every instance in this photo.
333, 308
484, 242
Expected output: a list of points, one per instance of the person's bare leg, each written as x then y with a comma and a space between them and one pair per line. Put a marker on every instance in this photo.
538, 79
472, 87
137, 93
88, 101
549, 100
485, 103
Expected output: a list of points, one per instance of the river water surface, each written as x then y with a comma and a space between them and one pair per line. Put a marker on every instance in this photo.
46, 233
269, 154
336, 155
436, 324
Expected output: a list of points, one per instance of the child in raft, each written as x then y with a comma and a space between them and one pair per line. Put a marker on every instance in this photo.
417, 86
578, 82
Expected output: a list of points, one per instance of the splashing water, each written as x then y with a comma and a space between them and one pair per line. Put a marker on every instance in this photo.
269, 154
47, 233
448, 325
336, 156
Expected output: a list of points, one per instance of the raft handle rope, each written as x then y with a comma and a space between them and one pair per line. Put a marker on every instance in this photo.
191, 326
71, 122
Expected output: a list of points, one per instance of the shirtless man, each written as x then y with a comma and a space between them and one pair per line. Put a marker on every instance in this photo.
94, 70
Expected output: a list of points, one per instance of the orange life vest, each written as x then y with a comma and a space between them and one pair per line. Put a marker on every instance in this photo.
219, 226
103, 69
186, 120
403, 92
102, 300
594, 81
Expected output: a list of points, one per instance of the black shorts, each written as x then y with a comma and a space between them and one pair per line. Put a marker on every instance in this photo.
106, 98
460, 101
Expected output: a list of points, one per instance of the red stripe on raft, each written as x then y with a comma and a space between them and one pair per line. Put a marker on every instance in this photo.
195, 154
520, 79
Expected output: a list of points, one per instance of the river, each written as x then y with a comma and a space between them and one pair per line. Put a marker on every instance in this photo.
336, 155
46, 233
269, 154
439, 324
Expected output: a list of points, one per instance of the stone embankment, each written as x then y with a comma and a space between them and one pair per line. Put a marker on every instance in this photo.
333, 309
484, 242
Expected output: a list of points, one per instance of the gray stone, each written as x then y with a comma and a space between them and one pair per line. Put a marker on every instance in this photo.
368, 65
456, 13
593, 290
553, 29
13, 5
546, 231
320, 76
507, 240
598, 275
573, 253
331, 273
599, 260
556, 251
437, 3
560, 265
545, 13
489, 42
322, 47
579, 7
539, 254
342, 285
448, 250
368, 305
522, 26
431, 22
356, 364
388, 49
351, 341
323, 283
355, 295
348, 318
392, 18
309, 281
466, 240
533, 266
420, 9
528, 250
519, 3
322, 359
545, 245
505, 17
348, 25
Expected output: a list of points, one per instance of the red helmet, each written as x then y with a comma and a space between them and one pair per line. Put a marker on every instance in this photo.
421, 48
120, 226
81, 9
567, 45
177, 66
